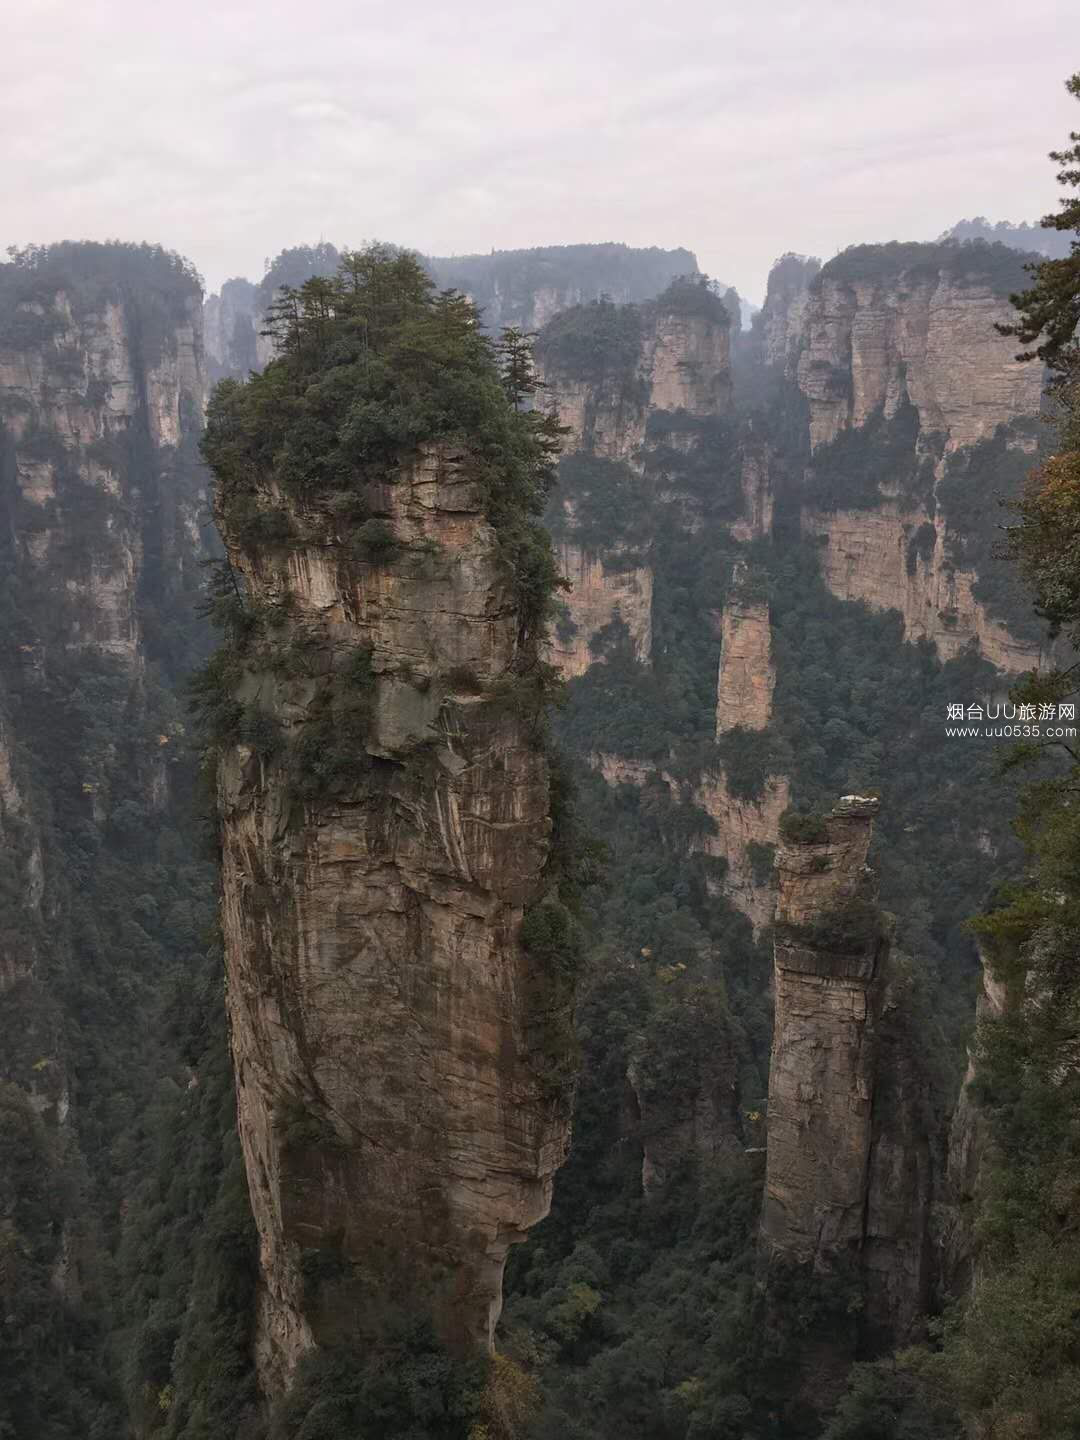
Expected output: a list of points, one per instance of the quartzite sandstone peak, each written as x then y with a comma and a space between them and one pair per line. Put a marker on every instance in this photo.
852, 1159
879, 329
397, 1131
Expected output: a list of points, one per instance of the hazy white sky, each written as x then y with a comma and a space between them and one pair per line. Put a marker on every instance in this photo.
228, 129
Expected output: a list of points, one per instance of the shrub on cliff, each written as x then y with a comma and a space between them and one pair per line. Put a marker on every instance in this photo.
371, 365
593, 343
799, 828
693, 295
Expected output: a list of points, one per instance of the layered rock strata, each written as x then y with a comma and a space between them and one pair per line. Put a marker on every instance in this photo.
682, 364
745, 831
601, 592
851, 1155
398, 1130
915, 330
821, 1077
94, 411
101, 388
873, 556
884, 328
756, 520
783, 314
747, 677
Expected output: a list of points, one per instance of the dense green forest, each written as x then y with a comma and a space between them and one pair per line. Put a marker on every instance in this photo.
108, 897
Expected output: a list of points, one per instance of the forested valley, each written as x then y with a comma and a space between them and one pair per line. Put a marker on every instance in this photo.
510, 931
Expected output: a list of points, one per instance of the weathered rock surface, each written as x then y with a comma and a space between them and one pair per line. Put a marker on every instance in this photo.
747, 677
784, 311
921, 331
740, 826
869, 342
92, 418
683, 364
231, 325
606, 419
867, 555
756, 520
851, 1153
101, 390
397, 1130
821, 1077
687, 361
600, 594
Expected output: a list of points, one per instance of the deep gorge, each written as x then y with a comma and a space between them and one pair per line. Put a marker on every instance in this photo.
395, 895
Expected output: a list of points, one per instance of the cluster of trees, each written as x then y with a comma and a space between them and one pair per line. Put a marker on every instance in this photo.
978, 262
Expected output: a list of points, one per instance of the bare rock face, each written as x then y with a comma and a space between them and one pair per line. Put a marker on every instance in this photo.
786, 300
916, 330
821, 1076
602, 417
398, 1130
601, 593
851, 1155
232, 323
756, 520
101, 390
919, 332
687, 359
868, 555
682, 365
93, 413
747, 678
617, 770
745, 829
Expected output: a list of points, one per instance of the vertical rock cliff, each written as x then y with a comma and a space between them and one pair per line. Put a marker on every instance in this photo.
612, 372
920, 421
100, 408
101, 390
852, 1150
968, 1140
747, 678
887, 322
601, 592
783, 314
232, 320
829, 949
652, 456
523, 288
398, 1010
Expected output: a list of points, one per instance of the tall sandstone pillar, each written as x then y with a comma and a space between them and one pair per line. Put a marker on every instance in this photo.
398, 1130
852, 1149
